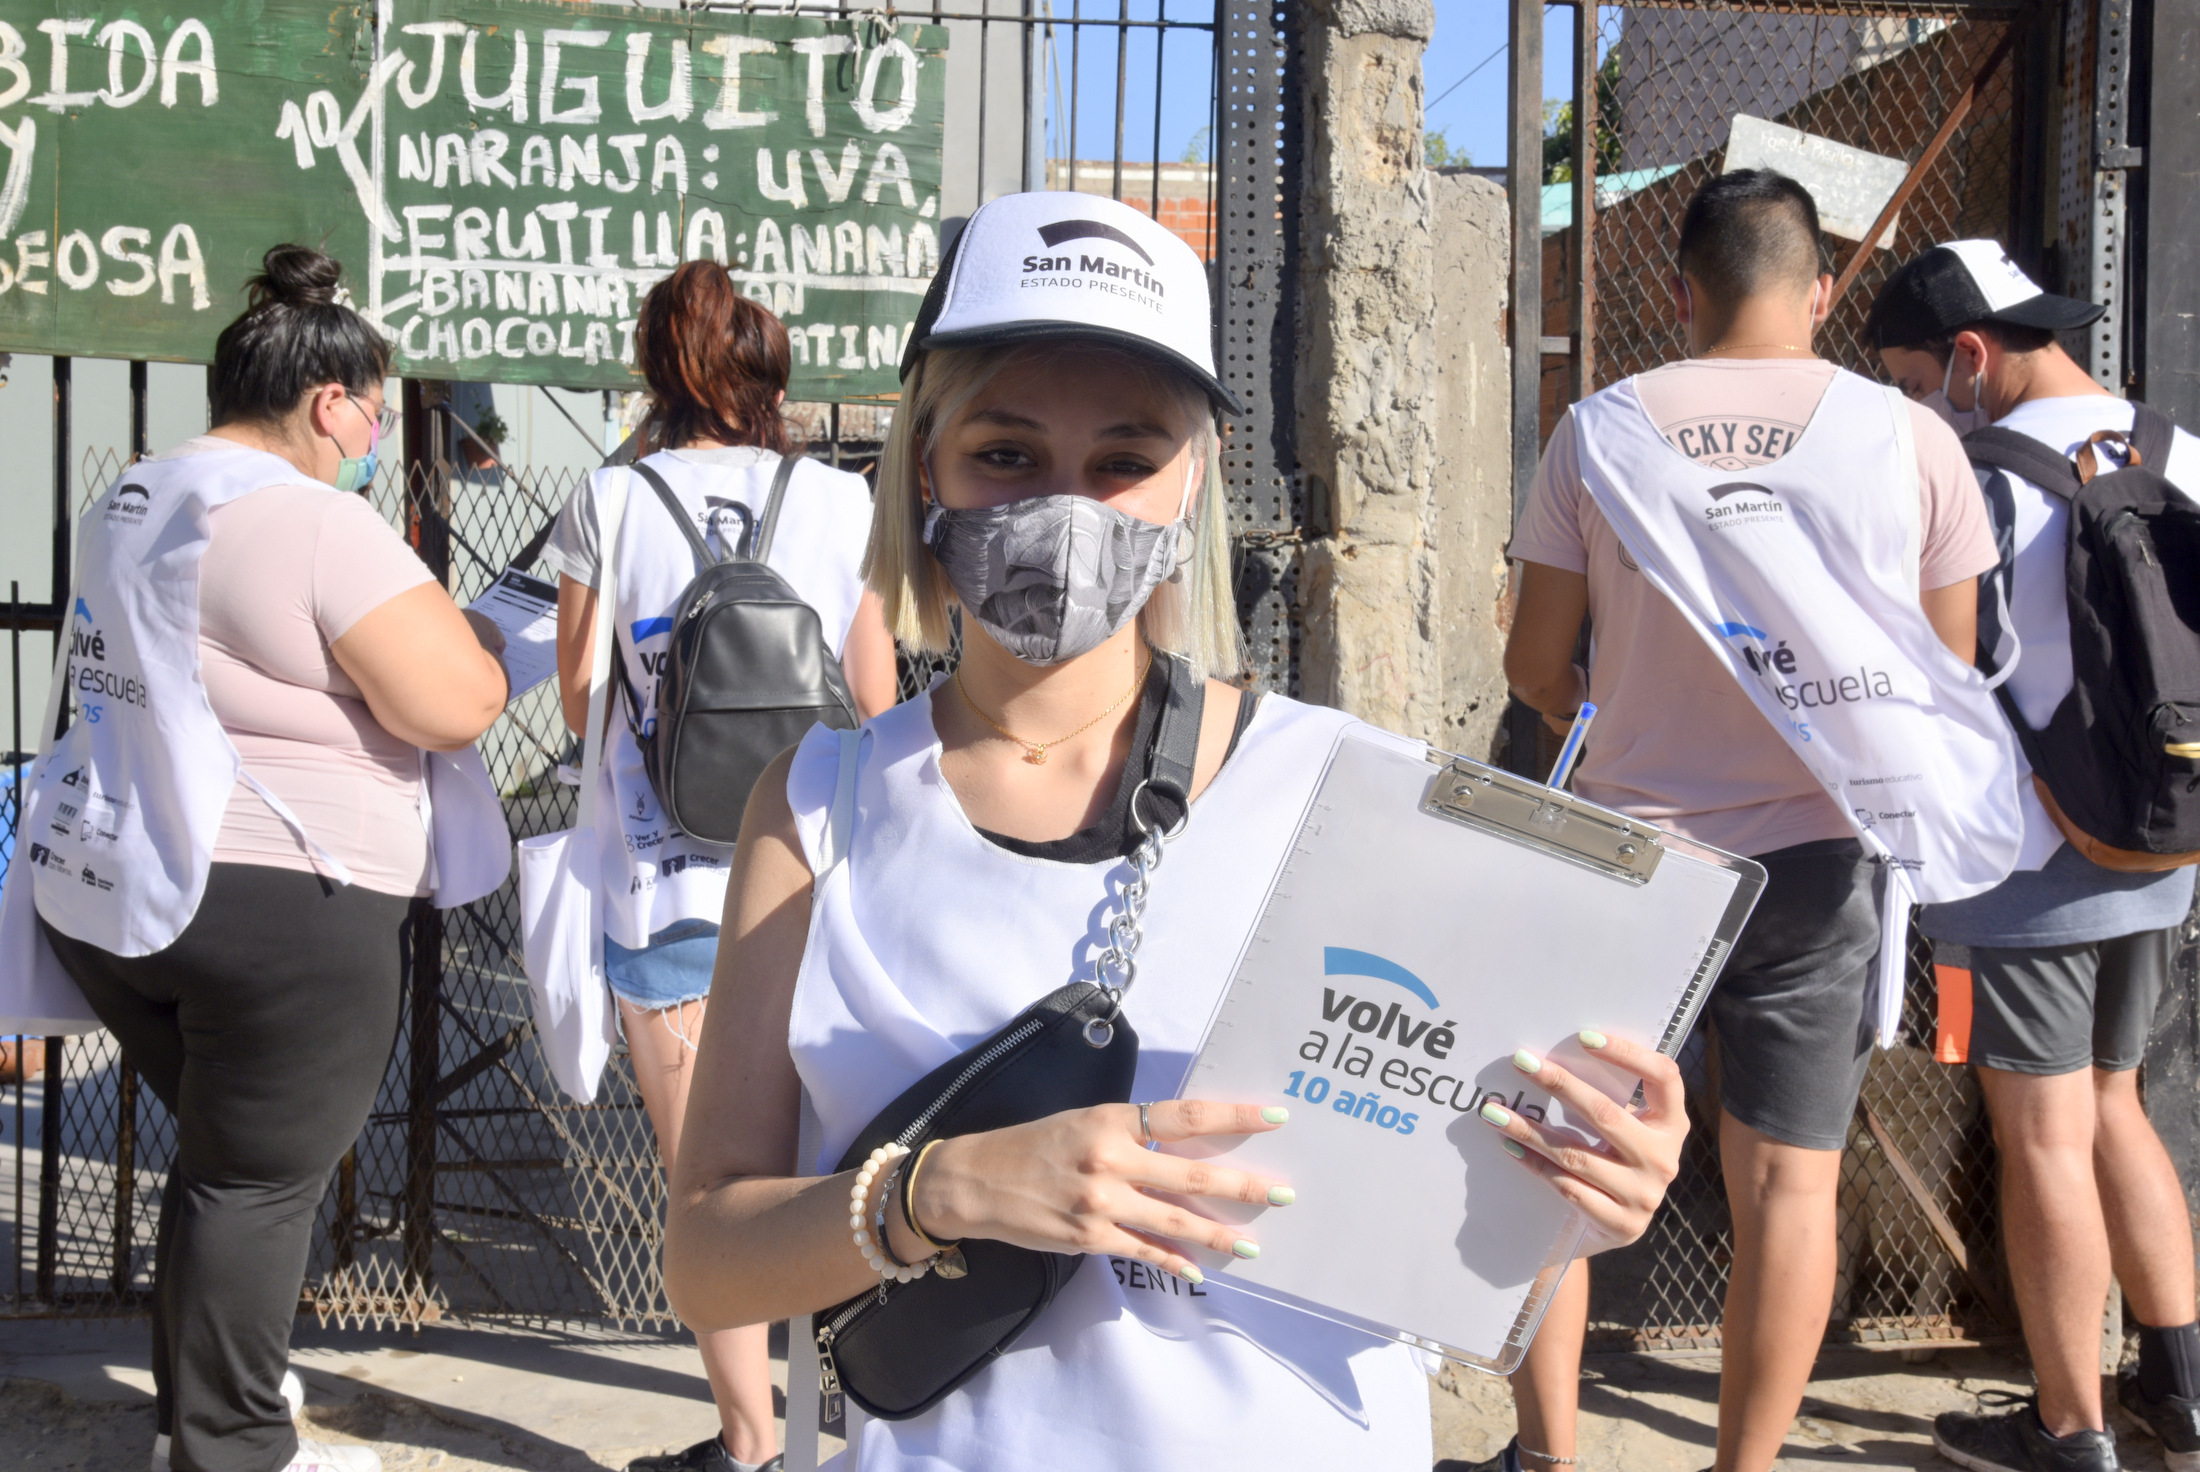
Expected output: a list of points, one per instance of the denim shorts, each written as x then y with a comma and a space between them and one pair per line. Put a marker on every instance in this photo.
673, 968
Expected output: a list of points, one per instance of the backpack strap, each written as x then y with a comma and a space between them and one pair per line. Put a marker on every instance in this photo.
678, 513
2006, 449
2152, 435
757, 545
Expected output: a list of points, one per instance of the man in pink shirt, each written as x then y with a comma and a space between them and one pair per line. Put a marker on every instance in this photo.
1678, 742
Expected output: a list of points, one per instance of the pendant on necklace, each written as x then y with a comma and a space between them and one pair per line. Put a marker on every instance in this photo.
1036, 755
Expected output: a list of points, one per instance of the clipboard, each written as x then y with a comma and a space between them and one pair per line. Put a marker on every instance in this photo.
1432, 915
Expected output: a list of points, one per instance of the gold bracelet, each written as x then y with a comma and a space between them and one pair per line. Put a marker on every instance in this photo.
908, 1202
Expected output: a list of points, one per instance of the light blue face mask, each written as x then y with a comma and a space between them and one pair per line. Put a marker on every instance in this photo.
356, 472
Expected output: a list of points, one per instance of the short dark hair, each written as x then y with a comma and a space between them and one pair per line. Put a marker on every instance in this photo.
1746, 231
2010, 337
294, 334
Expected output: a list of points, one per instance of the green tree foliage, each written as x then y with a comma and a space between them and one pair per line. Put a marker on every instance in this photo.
1438, 152
1558, 127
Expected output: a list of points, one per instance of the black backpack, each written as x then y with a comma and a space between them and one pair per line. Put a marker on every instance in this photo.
2118, 764
746, 673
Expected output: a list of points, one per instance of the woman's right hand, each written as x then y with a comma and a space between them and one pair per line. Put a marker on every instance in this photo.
1077, 1182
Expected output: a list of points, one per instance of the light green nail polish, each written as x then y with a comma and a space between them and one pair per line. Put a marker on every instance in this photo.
1591, 1038
1193, 1276
1496, 1115
1281, 1195
1245, 1249
1515, 1149
1274, 1114
1527, 1062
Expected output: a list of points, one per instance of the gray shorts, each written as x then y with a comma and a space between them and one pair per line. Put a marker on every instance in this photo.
1789, 1008
2056, 1009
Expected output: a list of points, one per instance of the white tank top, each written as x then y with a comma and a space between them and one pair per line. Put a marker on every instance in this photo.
928, 938
656, 873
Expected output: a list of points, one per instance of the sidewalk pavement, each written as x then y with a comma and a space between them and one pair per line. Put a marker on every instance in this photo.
445, 1398
79, 1396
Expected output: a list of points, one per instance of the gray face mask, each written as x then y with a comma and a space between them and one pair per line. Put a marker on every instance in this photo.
1052, 577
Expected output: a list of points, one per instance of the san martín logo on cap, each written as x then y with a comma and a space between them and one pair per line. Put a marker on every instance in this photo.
1065, 270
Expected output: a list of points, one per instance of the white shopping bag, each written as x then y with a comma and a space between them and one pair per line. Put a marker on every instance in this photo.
560, 900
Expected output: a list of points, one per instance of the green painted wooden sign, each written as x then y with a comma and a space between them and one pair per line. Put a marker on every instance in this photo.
503, 179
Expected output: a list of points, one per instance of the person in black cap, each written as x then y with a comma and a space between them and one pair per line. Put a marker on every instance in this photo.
2066, 958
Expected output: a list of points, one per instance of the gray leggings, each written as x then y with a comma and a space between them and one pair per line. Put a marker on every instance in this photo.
265, 1028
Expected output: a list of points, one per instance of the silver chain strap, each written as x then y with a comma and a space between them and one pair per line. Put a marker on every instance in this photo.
1117, 967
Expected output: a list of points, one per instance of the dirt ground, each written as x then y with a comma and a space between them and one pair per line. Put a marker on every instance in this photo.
1866, 1412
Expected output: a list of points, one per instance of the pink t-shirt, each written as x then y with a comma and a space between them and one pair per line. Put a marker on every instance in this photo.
288, 571
1676, 741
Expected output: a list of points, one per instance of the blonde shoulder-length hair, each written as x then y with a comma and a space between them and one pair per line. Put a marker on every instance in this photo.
1193, 615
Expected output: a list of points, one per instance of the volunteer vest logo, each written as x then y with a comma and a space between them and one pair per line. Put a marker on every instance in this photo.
728, 518
128, 506
1390, 1059
89, 674
1743, 503
1087, 270
1777, 665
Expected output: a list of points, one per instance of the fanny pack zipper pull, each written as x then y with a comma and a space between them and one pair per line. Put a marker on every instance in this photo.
828, 1378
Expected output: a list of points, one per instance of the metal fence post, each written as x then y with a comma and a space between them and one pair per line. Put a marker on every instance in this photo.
425, 483
49, 1172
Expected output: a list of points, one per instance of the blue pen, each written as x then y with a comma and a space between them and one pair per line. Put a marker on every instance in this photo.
1571, 751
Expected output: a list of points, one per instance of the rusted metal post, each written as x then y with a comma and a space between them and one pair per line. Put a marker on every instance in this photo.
1584, 379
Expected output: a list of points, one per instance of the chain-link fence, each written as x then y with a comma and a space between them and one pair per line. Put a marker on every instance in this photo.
1878, 77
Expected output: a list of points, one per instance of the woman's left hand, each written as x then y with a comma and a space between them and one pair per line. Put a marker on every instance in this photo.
1618, 1185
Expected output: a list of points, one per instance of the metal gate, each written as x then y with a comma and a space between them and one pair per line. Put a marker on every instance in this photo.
477, 1190
1959, 93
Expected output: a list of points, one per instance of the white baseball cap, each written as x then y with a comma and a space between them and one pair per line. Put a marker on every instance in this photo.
1056, 264
1964, 281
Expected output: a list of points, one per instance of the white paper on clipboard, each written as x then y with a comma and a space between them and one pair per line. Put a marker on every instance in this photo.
526, 609
1513, 920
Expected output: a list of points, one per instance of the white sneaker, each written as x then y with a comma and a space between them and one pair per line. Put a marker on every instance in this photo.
294, 1393
160, 1453
320, 1456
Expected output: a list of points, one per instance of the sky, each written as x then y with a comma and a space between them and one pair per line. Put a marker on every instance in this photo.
1468, 33
1471, 33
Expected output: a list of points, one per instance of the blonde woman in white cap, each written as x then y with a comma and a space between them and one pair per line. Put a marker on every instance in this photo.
897, 898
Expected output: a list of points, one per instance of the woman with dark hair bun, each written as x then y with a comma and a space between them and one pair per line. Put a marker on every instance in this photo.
716, 364
233, 828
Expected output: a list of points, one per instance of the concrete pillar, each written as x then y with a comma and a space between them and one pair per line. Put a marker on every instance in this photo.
1403, 428
1368, 594
1473, 489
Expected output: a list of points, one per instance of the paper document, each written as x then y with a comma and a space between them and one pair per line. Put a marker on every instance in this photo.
526, 609
1426, 923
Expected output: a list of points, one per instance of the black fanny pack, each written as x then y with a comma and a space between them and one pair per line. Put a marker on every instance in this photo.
897, 1349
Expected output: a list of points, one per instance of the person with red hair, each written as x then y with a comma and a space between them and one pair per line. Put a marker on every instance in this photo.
716, 364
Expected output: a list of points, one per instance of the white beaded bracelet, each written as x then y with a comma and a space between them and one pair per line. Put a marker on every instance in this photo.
870, 1230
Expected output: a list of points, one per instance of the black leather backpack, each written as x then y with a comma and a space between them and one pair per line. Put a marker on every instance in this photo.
747, 672
2118, 763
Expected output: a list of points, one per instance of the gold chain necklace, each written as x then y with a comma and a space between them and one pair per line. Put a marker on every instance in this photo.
1736, 347
1035, 752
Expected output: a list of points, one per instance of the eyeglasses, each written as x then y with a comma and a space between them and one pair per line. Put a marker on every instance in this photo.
385, 423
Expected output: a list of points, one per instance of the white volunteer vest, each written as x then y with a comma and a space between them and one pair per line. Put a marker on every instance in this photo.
653, 872
122, 812
928, 938
1802, 576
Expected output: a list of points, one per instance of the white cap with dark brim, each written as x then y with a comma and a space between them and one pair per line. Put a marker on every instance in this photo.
1059, 265
1961, 282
